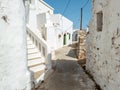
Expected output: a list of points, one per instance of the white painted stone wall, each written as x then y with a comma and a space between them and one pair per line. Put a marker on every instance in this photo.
39, 12
53, 25
62, 26
41, 17
103, 47
43, 7
75, 35
38, 7
14, 74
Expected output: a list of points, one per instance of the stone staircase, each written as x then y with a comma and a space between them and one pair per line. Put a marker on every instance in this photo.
36, 62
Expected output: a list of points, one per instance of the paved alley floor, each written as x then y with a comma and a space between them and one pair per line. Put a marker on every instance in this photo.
67, 75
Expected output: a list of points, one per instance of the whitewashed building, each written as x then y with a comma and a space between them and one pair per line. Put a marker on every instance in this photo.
38, 51
103, 44
75, 35
62, 28
46, 32
25, 60
55, 29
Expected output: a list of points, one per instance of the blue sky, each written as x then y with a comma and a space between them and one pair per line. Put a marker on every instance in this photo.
73, 10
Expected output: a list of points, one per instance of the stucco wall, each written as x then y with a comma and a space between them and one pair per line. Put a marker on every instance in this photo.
38, 7
13, 59
51, 26
43, 7
62, 26
75, 35
103, 47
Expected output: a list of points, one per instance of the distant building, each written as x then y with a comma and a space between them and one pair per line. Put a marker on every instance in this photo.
46, 32
103, 44
75, 35
55, 29
63, 28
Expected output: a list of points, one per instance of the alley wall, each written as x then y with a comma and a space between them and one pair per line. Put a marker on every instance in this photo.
103, 44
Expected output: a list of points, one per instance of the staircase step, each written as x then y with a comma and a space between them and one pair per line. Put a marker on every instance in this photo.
36, 65
31, 46
34, 56
35, 62
37, 68
31, 51
29, 42
38, 74
28, 38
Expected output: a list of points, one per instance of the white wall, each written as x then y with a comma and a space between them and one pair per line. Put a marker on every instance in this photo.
43, 7
38, 7
62, 25
103, 47
42, 17
32, 18
75, 35
13, 59
51, 37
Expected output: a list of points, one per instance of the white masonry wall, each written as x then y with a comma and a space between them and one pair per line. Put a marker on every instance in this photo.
43, 7
75, 35
14, 74
62, 26
38, 7
103, 47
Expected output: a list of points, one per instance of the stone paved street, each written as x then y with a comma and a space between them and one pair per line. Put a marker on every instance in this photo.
67, 75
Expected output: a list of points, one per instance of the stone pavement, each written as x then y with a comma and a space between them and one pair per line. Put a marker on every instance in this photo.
67, 75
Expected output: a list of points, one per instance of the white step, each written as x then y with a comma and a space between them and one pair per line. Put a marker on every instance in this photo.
30, 46
28, 38
34, 56
29, 42
37, 68
39, 80
30, 51
36, 61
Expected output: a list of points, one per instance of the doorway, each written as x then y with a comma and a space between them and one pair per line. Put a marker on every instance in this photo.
64, 39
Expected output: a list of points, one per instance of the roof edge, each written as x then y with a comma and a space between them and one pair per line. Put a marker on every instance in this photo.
46, 4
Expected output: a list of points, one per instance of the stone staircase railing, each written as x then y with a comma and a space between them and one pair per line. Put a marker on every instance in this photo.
41, 44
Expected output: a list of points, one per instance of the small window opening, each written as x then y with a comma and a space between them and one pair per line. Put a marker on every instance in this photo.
99, 21
69, 36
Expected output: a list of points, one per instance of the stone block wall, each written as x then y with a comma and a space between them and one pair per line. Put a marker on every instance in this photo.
81, 50
103, 47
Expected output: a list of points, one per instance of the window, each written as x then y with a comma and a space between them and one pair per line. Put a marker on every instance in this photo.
69, 36
99, 21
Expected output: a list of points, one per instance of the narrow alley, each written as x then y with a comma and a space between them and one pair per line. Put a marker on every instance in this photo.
67, 74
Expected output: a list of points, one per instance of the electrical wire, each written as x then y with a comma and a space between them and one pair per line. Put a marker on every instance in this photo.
66, 7
85, 4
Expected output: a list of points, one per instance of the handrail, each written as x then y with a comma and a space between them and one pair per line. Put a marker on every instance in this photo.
41, 45
39, 40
